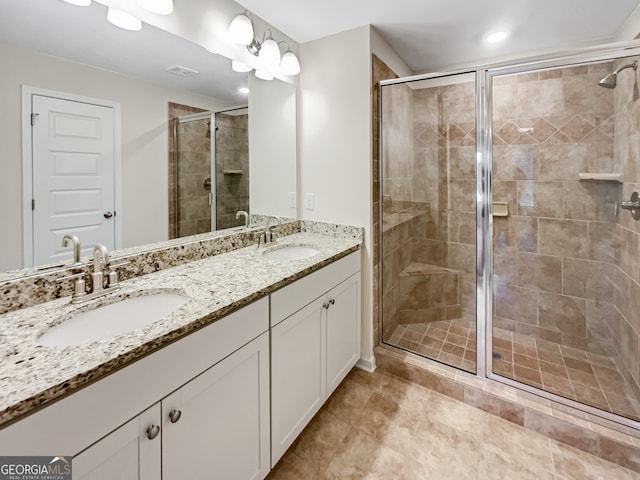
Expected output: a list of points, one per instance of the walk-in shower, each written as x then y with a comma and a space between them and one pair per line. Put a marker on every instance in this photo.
208, 171
502, 250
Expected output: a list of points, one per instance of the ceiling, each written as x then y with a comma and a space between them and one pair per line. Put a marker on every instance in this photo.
83, 34
431, 34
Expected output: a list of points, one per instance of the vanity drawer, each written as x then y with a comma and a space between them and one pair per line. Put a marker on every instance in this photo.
292, 298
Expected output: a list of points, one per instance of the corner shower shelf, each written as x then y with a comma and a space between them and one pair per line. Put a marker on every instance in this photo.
232, 172
605, 177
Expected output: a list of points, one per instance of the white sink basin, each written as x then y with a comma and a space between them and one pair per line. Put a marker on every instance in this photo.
290, 252
111, 320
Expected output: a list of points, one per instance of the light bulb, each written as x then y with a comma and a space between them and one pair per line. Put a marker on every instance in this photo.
161, 7
497, 37
270, 53
290, 64
241, 30
263, 75
123, 19
79, 3
240, 67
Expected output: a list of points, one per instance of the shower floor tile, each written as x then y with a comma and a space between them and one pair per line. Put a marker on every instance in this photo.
586, 377
379, 426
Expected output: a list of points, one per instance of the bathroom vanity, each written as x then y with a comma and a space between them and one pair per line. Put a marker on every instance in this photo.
224, 386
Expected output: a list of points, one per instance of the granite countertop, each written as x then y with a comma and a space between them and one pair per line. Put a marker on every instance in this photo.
32, 375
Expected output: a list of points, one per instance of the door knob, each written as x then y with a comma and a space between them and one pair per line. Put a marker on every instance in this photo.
108, 214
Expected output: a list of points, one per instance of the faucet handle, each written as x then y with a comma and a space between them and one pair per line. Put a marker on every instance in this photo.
79, 286
112, 275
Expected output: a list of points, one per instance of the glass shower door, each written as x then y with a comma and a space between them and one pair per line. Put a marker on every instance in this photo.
428, 227
563, 257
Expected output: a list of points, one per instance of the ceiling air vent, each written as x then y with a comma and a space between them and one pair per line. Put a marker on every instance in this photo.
181, 71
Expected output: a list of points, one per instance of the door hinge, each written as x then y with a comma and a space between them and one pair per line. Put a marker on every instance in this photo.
33, 204
34, 117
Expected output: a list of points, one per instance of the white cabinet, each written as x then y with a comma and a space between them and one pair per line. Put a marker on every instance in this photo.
219, 422
315, 341
132, 452
219, 377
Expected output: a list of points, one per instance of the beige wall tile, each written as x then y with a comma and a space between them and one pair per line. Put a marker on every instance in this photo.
563, 313
563, 238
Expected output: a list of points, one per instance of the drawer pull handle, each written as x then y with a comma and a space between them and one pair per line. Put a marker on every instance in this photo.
174, 415
153, 431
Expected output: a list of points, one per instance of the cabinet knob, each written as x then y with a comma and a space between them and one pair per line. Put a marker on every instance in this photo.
332, 301
325, 305
174, 415
153, 431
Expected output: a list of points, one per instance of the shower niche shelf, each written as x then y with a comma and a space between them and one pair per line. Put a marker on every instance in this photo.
232, 172
601, 176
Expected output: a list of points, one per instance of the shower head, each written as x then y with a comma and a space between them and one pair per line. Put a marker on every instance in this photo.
611, 80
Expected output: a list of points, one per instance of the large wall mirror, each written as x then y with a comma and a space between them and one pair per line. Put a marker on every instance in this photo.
68, 66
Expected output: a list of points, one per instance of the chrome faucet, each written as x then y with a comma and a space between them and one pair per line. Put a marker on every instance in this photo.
102, 269
76, 246
101, 264
242, 213
267, 236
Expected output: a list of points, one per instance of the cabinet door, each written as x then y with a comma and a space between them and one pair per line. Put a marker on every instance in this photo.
298, 370
220, 424
126, 453
343, 330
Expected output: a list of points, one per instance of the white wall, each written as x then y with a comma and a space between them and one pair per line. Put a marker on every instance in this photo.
335, 135
144, 141
630, 29
272, 146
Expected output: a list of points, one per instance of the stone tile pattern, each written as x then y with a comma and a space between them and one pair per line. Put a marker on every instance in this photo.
429, 205
625, 318
232, 153
566, 268
553, 253
177, 110
25, 288
579, 375
593, 435
31, 376
380, 426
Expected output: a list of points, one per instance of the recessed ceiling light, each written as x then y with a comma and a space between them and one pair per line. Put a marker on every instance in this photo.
243, 90
496, 37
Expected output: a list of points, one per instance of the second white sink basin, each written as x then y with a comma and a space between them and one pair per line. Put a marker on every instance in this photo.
290, 252
111, 320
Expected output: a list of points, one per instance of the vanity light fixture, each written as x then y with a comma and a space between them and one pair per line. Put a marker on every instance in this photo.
289, 63
241, 31
79, 3
124, 20
161, 7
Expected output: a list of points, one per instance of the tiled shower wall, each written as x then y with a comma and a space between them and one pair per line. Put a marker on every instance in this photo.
194, 166
626, 292
554, 253
175, 110
429, 209
232, 155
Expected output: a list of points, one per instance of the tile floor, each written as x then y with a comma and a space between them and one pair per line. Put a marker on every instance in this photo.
377, 426
586, 377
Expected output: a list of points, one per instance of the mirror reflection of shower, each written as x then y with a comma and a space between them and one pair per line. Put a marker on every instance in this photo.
611, 80
209, 171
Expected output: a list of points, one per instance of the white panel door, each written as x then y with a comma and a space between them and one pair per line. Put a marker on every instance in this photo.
298, 369
126, 454
73, 176
222, 428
